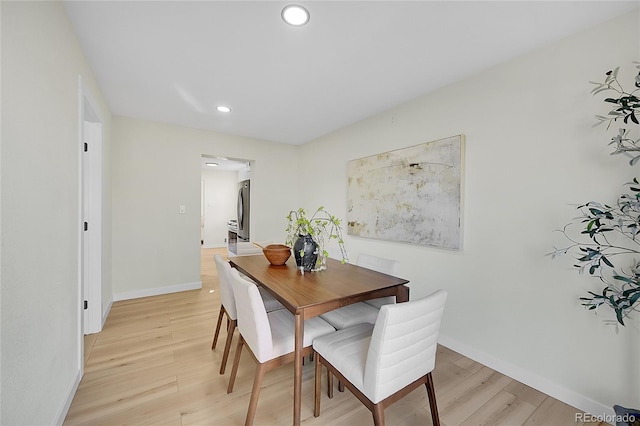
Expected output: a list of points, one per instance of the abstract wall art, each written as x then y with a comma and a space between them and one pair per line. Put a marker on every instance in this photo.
411, 195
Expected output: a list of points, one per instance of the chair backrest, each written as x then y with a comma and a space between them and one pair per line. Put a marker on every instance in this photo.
403, 345
226, 292
253, 321
379, 264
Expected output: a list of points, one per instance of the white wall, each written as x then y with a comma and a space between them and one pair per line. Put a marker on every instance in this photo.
156, 249
40, 311
530, 153
220, 190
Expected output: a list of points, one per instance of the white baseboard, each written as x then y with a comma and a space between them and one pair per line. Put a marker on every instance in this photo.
157, 291
64, 408
105, 314
542, 384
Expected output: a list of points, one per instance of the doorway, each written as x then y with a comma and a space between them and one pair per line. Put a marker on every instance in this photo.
219, 197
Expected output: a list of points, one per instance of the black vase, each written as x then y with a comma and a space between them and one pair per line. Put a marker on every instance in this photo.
308, 261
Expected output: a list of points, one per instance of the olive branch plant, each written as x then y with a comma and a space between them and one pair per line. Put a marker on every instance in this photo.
611, 234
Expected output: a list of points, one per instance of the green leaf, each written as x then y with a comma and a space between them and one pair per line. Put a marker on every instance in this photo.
631, 292
606, 261
624, 279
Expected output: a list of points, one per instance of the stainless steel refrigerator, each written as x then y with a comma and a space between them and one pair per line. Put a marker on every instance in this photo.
243, 210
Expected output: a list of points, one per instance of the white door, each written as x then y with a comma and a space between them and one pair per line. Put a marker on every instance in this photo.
92, 225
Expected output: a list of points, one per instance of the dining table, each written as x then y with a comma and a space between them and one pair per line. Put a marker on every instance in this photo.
309, 294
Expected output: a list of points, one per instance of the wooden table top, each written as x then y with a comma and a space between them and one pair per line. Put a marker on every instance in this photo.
317, 292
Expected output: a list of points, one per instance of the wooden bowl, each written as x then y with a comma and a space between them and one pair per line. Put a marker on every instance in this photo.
277, 254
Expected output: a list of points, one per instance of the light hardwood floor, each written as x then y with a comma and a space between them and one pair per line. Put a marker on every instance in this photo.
153, 365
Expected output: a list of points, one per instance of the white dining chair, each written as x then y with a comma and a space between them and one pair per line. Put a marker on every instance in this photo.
380, 264
228, 307
366, 311
270, 336
382, 363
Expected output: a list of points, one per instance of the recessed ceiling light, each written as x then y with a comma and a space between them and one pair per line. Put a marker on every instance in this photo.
222, 108
295, 15
212, 164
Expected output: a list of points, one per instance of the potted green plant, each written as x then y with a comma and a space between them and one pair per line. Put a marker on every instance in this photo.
308, 235
608, 244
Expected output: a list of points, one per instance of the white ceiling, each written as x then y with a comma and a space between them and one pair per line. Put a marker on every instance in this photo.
175, 61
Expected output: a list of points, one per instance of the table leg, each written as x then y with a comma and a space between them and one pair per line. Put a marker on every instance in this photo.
297, 371
403, 294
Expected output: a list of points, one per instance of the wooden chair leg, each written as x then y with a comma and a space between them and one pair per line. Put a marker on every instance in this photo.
215, 335
378, 415
431, 393
329, 384
318, 390
255, 393
340, 386
236, 361
227, 345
